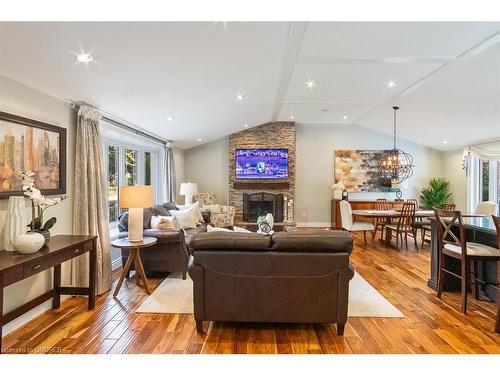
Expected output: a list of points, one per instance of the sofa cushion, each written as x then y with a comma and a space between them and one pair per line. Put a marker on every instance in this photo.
159, 210
123, 220
335, 241
230, 241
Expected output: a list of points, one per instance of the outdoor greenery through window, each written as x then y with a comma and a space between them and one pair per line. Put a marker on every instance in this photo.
128, 165
489, 181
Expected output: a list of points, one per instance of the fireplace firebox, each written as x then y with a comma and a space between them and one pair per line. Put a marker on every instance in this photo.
258, 204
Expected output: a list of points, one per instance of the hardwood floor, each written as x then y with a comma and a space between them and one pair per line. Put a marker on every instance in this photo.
429, 326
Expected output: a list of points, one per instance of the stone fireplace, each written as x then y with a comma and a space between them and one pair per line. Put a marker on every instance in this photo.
258, 204
252, 198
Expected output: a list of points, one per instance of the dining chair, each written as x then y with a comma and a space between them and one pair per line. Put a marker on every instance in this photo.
405, 225
354, 226
496, 221
426, 230
381, 205
415, 202
454, 245
486, 208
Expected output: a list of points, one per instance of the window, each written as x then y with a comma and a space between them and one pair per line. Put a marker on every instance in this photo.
128, 165
113, 182
484, 182
147, 168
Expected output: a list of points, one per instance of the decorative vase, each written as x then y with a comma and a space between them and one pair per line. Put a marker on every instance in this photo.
45, 234
15, 221
29, 243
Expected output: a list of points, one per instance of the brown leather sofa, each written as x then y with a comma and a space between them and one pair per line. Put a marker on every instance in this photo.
284, 278
171, 253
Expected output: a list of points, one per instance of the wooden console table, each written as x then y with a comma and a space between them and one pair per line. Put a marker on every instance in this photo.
15, 267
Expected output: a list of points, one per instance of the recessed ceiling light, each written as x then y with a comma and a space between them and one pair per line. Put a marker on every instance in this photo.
240, 97
291, 117
170, 118
445, 142
199, 139
344, 117
84, 58
310, 84
246, 125
326, 110
391, 84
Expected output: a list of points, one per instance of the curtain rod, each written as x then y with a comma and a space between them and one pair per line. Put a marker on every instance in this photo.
113, 120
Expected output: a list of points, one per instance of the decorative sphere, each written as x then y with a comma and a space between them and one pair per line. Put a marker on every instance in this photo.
29, 243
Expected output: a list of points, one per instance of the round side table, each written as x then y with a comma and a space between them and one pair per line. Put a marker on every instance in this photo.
134, 257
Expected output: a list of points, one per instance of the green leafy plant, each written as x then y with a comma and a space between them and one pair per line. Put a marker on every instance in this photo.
436, 194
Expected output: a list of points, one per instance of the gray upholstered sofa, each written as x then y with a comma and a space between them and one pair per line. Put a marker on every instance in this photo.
171, 253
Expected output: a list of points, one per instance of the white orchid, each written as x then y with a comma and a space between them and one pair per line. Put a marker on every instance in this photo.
38, 201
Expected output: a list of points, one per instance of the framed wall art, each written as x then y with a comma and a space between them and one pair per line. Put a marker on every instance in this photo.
30, 145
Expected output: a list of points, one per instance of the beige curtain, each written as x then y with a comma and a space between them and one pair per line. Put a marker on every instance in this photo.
90, 205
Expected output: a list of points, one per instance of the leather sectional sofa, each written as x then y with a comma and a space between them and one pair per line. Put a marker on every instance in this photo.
171, 253
294, 277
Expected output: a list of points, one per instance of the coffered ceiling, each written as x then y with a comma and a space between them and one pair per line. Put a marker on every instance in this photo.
446, 75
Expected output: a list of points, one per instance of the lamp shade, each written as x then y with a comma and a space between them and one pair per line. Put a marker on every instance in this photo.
189, 188
137, 196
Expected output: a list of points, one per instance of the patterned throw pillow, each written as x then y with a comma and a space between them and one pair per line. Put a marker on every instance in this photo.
164, 222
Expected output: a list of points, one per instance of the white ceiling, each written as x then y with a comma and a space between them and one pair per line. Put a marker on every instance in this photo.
447, 75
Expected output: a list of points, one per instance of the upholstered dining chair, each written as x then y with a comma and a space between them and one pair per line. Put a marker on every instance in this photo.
454, 245
496, 220
486, 208
405, 226
380, 205
354, 226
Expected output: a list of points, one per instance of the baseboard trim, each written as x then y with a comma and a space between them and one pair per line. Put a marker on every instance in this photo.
313, 224
117, 263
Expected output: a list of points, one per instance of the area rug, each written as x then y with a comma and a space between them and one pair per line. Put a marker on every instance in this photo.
175, 296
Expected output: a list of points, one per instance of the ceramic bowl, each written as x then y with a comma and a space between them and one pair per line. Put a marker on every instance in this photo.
29, 243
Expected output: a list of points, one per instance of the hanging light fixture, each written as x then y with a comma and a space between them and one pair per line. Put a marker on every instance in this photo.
398, 165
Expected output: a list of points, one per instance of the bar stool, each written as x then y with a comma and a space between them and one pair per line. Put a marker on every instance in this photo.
468, 253
425, 229
496, 220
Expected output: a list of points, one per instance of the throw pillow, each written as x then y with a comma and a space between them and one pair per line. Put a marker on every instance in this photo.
159, 210
240, 230
212, 208
214, 229
197, 208
164, 222
187, 218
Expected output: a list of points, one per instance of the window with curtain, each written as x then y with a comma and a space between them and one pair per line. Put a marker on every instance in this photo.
128, 164
484, 182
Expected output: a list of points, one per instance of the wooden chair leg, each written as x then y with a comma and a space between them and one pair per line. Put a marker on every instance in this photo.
440, 281
474, 278
373, 237
364, 235
415, 239
497, 325
464, 284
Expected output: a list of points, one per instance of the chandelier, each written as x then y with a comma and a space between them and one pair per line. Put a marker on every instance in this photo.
397, 165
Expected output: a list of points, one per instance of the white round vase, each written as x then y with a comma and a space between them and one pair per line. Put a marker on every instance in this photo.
29, 243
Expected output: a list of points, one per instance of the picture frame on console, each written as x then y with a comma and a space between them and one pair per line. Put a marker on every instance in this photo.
31, 145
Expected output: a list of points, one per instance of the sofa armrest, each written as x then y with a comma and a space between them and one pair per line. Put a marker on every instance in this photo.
197, 274
166, 236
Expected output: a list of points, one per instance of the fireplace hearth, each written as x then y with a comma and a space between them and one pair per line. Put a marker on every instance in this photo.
258, 204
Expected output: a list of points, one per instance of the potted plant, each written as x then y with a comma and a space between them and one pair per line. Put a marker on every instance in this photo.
436, 194
39, 204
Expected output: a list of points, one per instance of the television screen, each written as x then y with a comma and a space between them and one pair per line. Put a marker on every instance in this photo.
263, 163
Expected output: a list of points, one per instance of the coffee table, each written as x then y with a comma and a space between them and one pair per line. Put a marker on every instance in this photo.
134, 257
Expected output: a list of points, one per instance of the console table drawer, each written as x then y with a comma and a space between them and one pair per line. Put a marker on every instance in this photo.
35, 267
13, 275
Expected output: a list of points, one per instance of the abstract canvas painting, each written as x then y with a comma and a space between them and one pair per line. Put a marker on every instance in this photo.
29, 145
358, 170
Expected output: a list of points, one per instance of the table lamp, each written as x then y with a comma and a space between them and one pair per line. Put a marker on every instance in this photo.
135, 198
188, 189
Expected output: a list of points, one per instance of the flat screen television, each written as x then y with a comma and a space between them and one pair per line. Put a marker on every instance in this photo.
261, 163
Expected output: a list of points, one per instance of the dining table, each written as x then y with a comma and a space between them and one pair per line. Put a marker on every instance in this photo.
389, 215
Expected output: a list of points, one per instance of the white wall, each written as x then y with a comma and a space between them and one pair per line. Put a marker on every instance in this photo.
208, 166
455, 174
24, 101
180, 168
314, 176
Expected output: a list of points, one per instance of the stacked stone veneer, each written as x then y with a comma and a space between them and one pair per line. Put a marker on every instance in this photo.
270, 135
